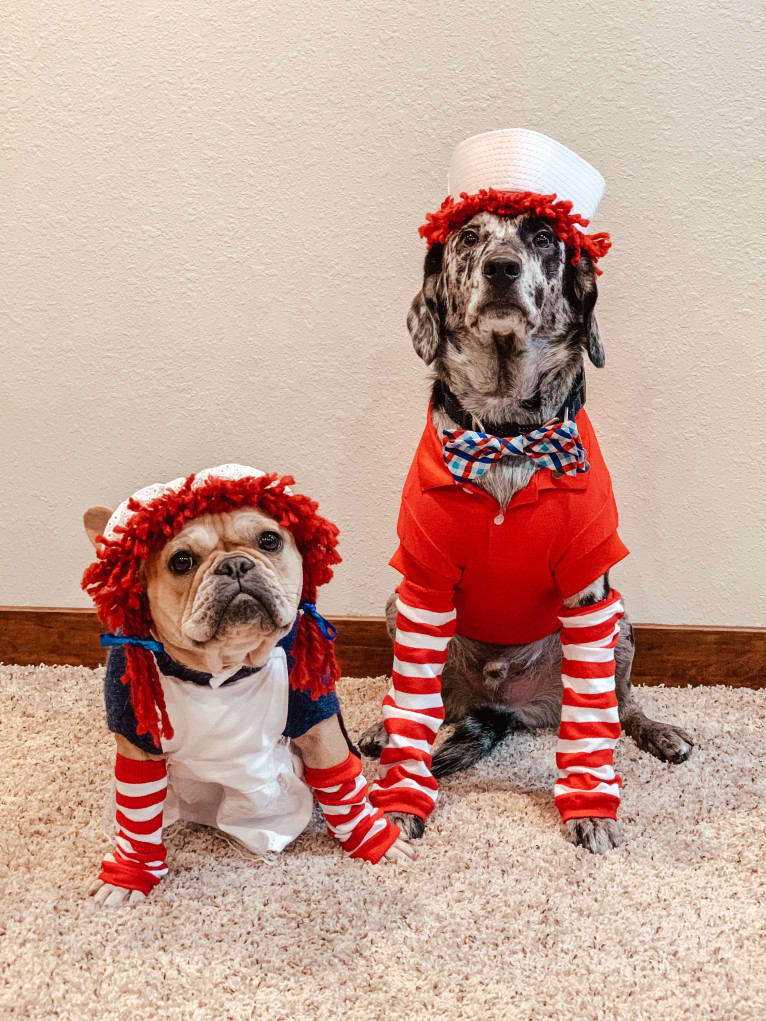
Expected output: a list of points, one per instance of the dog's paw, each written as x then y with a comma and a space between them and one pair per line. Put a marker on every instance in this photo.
412, 826
669, 743
666, 742
108, 896
373, 740
401, 852
595, 835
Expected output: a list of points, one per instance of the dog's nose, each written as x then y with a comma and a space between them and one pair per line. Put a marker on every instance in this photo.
499, 268
234, 567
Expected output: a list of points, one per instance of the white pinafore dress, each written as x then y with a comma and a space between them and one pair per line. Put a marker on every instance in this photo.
229, 765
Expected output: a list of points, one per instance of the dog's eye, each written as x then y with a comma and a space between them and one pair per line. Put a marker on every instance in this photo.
469, 238
270, 542
543, 239
181, 562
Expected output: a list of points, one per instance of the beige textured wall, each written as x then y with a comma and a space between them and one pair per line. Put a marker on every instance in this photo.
209, 245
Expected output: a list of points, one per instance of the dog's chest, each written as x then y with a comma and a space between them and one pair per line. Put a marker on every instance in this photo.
506, 478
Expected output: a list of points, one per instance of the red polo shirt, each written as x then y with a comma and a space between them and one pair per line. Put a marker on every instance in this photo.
506, 573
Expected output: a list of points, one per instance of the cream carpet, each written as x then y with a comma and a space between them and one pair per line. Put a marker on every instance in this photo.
497, 919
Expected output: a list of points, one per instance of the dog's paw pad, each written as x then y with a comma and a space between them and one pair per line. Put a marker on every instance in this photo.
595, 835
412, 826
107, 896
401, 852
372, 741
669, 744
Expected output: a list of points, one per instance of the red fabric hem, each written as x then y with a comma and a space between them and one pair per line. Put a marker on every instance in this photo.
126, 877
411, 803
583, 611
583, 571
594, 813
333, 775
139, 770
374, 849
587, 805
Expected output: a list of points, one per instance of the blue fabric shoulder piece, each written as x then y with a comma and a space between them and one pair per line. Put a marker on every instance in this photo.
304, 712
120, 717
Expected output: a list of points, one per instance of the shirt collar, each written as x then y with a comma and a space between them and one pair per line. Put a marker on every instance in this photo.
433, 473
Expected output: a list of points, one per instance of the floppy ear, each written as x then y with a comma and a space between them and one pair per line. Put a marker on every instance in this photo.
94, 519
424, 316
587, 293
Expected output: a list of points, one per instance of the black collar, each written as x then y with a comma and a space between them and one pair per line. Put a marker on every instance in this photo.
444, 398
170, 668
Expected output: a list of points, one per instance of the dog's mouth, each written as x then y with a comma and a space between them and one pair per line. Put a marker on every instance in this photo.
502, 310
229, 608
504, 318
242, 609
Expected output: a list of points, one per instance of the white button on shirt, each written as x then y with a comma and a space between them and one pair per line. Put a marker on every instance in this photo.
499, 519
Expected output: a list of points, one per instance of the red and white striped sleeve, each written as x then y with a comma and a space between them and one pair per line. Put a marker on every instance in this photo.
413, 710
587, 786
138, 859
363, 831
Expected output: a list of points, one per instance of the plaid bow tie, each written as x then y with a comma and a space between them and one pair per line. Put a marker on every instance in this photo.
555, 445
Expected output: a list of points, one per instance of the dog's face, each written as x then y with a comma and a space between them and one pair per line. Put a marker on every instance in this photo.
224, 590
502, 288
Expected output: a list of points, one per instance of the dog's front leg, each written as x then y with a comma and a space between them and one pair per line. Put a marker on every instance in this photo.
335, 775
665, 741
587, 790
137, 862
413, 710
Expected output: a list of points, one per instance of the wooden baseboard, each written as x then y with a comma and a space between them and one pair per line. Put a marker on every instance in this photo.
677, 656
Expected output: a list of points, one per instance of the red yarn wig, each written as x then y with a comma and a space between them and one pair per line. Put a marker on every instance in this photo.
453, 214
114, 580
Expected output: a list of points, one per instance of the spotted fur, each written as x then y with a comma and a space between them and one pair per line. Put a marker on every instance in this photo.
509, 349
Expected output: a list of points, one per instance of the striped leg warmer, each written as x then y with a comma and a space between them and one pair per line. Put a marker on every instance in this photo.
413, 709
363, 831
590, 725
138, 859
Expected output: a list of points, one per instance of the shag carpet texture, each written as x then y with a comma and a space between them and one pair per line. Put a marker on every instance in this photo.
498, 918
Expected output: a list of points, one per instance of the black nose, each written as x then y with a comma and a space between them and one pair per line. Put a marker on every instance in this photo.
234, 567
498, 267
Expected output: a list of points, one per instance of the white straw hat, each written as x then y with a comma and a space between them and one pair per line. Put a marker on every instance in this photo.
515, 159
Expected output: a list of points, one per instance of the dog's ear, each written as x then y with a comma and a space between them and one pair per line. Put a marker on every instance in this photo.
586, 293
94, 519
424, 319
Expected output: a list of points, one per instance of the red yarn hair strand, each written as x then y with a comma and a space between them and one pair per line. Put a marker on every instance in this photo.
454, 213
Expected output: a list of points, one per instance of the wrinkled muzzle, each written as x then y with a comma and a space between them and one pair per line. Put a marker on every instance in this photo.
238, 593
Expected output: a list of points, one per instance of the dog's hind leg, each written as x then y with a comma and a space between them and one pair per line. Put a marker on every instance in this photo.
665, 741
475, 680
496, 690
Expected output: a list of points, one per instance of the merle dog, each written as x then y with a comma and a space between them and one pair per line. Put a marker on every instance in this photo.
504, 318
